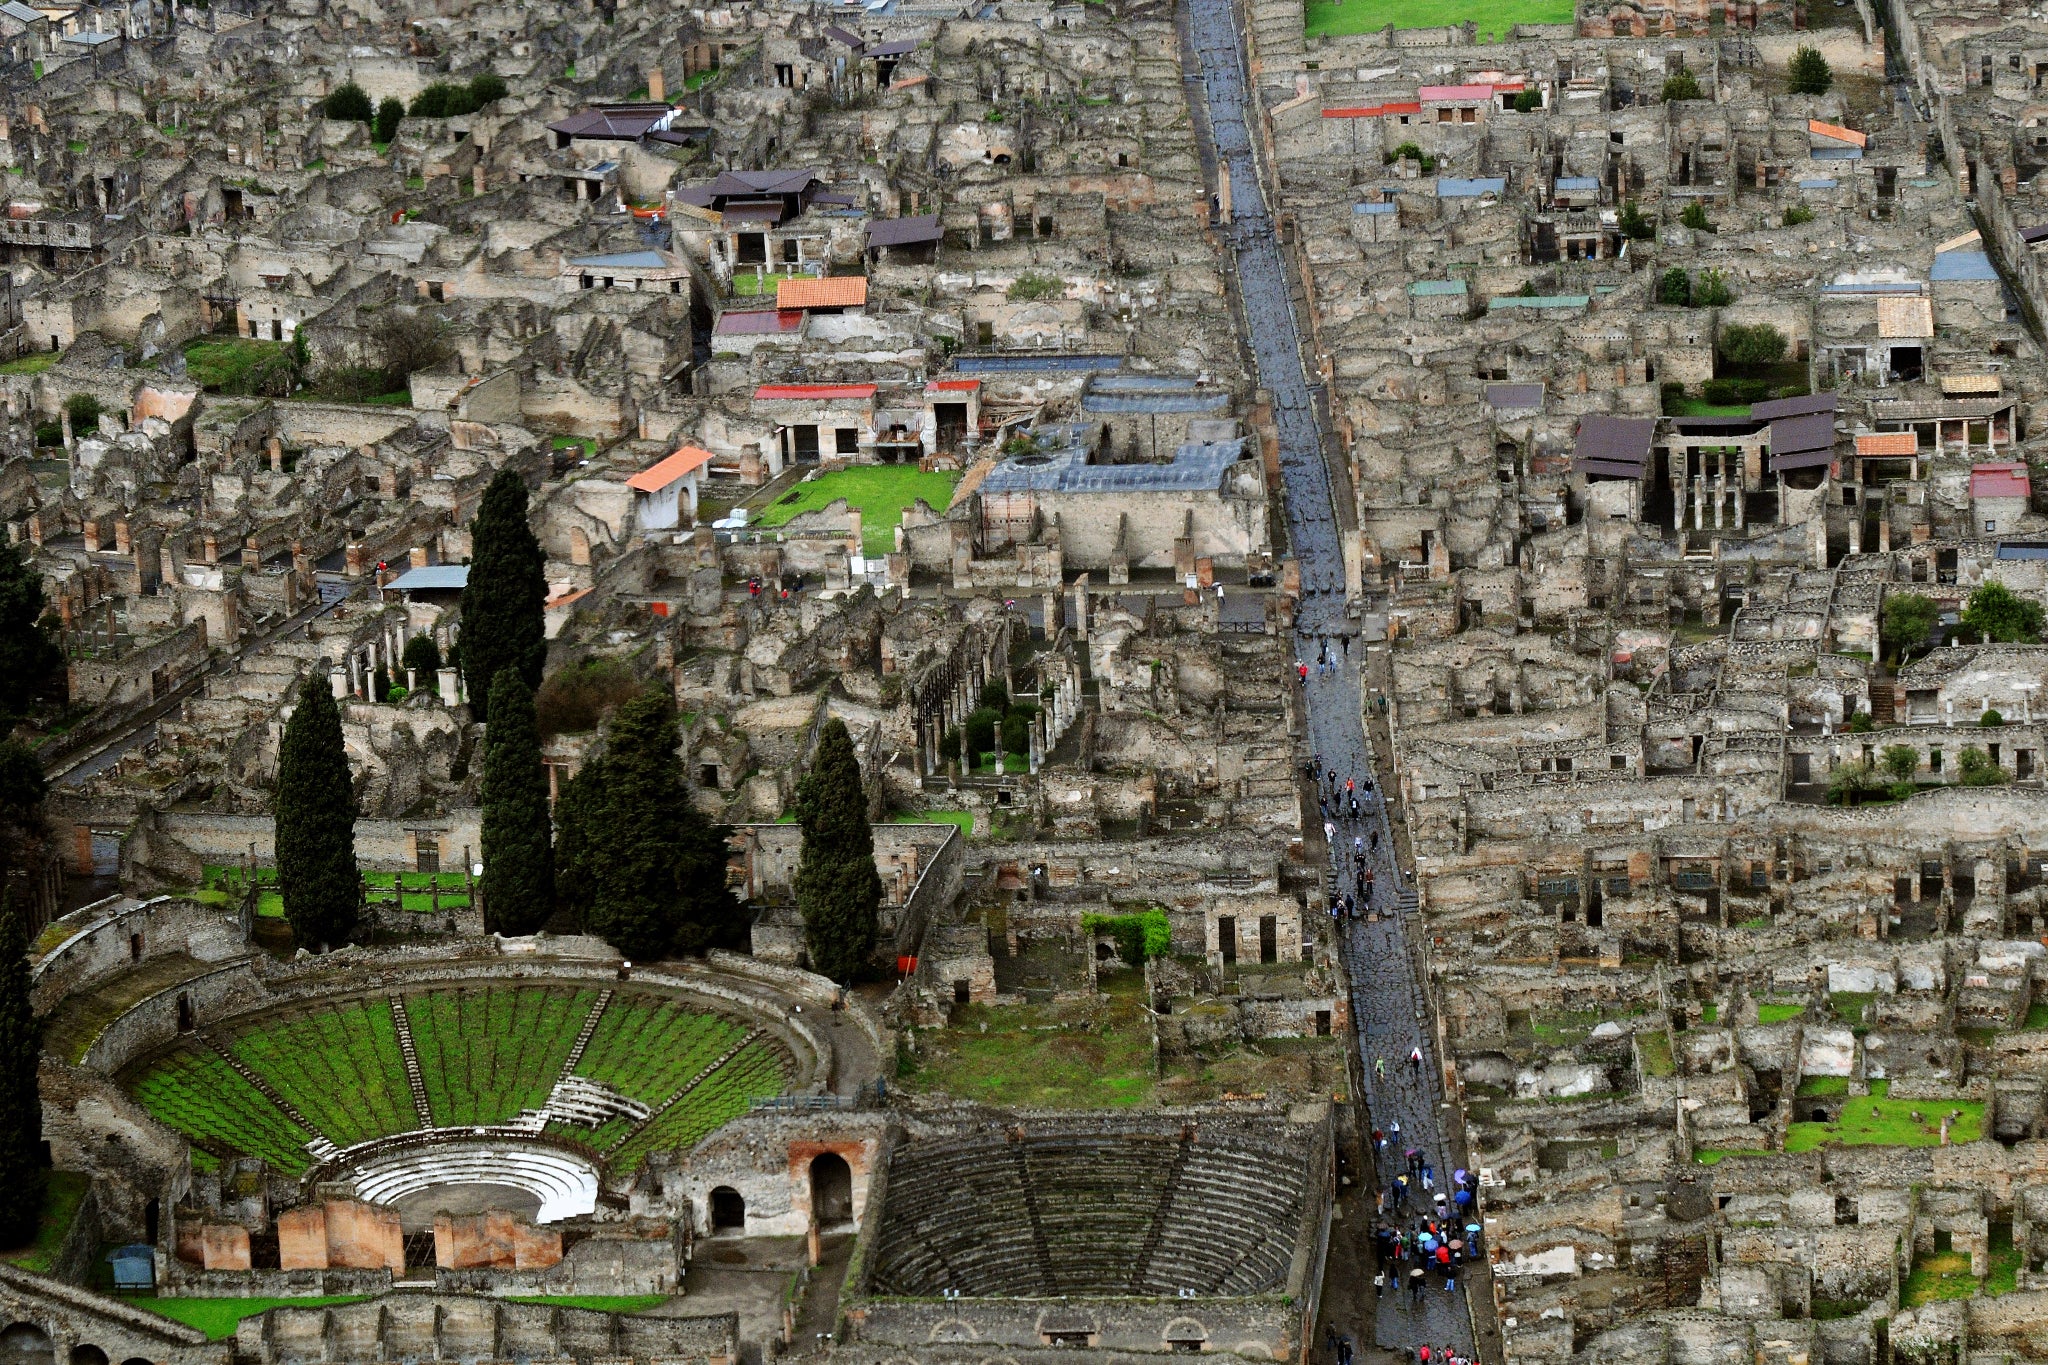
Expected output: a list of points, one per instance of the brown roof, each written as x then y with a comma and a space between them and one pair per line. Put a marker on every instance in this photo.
1908, 317
832, 291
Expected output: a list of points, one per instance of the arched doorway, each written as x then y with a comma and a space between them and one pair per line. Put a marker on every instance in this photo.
26, 1344
88, 1355
831, 1191
728, 1210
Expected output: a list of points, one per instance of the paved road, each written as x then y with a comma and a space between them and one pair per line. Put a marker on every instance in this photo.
1386, 1000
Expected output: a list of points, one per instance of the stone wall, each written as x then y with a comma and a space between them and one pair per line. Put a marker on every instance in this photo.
115, 939
453, 1327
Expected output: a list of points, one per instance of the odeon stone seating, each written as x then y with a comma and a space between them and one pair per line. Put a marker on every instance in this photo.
1078, 1214
565, 1185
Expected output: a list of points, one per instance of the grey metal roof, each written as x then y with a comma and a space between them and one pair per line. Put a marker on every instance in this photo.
1615, 440
433, 577
1195, 467
1773, 408
1808, 431
1454, 187
20, 13
1576, 183
1024, 364
1515, 395
622, 260
1962, 265
1802, 459
904, 231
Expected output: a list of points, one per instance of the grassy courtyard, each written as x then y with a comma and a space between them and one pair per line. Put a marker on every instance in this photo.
219, 1317
881, 493
1096, 1055
62, 1195
1335, 18
1877, 1120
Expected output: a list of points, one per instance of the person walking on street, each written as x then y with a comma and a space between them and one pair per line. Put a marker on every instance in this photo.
1415, 1060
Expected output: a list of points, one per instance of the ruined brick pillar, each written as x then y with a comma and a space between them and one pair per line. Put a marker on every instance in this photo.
212, 548
352, 560
121, 541
92, 535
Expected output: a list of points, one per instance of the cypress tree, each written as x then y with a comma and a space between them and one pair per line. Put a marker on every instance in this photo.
502, 605
838, 890
655, 867
316, 822
27, 654
519, 857
22, 1160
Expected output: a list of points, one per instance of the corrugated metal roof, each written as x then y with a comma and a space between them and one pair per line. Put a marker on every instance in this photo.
1427, 288
1025, 364
1773, 408
1807, 431
1819, 182
1375, 208
1196, 466
1802, 459
1515, 395
1576, 183
432, 577
1836, 153
1453, 187
625, 260
905, 231
1540, 301
1622, 440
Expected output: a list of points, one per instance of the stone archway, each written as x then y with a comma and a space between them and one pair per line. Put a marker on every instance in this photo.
831, 1191
88, 1355
728, 1210
24, 1343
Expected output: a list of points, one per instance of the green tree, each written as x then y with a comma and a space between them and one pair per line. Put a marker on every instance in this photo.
380, 684
1907, 621
838, 890
1711, 290
423, 657
505, 596
1674, 286
1695, 217
1752, 344
1991, 719
1810, 73
654, 865
1634, 225
23, 1164
390, 113
348, 103
84, 411
1682, 85
1996, 613
1901, 761
1850, 782
518, 850
316, 822
28, 657
1529, 102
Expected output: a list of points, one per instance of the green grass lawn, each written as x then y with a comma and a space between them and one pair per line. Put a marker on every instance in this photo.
964, 819
233, 364
1700, 407
64, 1192
1094, 1056
1655, 1048
1778, 1014
2037, 1015
881, 493
1335, 18
1880, 1121
35, 362
217, 1317
1714, 1156
747, 285
1815, 1087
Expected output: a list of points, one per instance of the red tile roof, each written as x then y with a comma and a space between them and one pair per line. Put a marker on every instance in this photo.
1431, 93
1888, 443
1373, 110
815, 391
668, 471
833, 291
952, 386
1999, 481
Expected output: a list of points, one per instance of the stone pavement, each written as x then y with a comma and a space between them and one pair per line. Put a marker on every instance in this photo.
1386, 1001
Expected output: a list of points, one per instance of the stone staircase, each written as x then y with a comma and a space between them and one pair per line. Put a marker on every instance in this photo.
1881, 710
321, 1147
403, 1025
584, 1034
710, 1069
1141, 1267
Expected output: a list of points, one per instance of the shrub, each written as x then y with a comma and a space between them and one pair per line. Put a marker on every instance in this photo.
1146, 933
1977, 769
1033, 285
1850, 782
1798, 214
1409, 149
422, 655
1673, 394
446, 99
1674, 286
1017, 733
1735, 390
390, 113
1682, 85
1711, 290
1695, 217
1634, 225
1810, 73
84, 410
1861, 723
347, 104
981, 731
486, 88
1529, 101
996, 695
1752, 344
1991, 719
578, 698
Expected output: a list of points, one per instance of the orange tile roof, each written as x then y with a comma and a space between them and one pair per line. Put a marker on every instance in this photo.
1837, 132
669, 470
1888, 443
833, 291
824, 391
